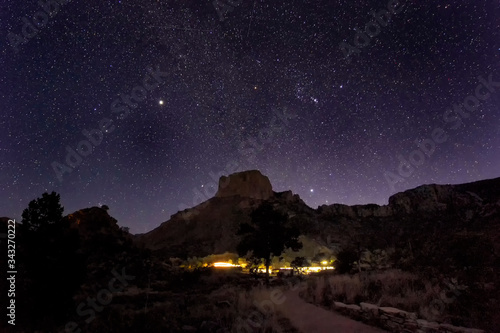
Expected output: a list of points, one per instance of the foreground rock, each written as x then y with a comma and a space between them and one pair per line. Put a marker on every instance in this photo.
396, 320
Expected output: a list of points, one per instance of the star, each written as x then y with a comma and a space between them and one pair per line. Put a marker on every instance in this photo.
245, 101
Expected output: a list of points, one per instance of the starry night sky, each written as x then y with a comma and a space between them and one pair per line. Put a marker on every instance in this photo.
266, 87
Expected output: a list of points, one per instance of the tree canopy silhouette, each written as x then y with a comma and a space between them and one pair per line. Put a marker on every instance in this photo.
298, 263
267, 234
52, 267
42, 212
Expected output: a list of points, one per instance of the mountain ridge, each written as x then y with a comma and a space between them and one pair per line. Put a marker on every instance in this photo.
211, 226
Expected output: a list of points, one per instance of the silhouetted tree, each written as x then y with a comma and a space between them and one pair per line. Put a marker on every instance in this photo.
253, 265
42, 212
298, 263
267, 234
346, 260
52, 268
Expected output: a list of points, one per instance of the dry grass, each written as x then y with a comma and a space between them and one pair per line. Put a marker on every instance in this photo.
393, 288
254, 318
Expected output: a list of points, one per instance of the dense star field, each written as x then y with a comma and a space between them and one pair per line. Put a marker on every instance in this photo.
142, 105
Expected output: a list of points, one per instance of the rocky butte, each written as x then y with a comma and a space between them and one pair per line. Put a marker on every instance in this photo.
247, 184
415, 220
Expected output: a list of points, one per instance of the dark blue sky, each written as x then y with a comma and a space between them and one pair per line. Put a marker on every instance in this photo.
154, 100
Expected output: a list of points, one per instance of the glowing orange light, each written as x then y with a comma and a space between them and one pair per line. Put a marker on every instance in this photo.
224, 264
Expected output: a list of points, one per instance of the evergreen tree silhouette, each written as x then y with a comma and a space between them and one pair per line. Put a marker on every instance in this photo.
267, 234
52, 267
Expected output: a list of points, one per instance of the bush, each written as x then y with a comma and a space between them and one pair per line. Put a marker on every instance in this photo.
345, 260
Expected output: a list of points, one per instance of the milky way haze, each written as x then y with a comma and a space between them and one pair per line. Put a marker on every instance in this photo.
142, 105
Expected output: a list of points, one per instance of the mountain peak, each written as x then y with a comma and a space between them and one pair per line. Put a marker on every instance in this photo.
250, 184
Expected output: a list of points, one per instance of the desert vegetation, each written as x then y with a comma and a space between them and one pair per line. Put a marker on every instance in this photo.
84, 273
434, 298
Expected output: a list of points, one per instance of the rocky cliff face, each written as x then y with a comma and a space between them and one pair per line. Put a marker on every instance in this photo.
431, 198
356, 211
202, 230
413, 215
93, 221
247, 184
424, 199
211, 226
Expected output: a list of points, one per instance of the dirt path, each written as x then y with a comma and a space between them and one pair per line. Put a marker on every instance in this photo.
308, 318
